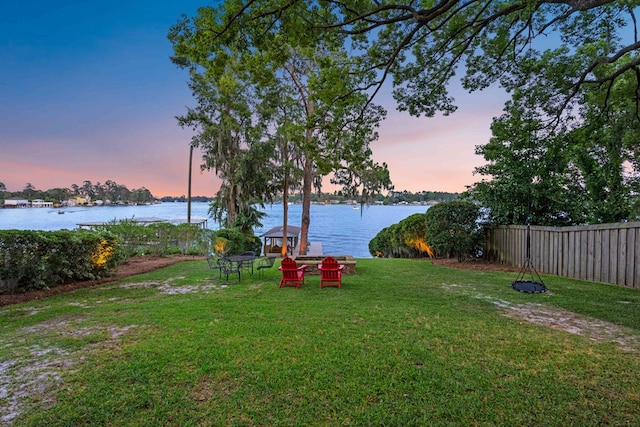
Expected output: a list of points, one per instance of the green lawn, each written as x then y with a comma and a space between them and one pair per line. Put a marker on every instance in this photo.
403, 343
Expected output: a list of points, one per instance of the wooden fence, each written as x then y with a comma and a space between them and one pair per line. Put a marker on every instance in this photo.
607, 253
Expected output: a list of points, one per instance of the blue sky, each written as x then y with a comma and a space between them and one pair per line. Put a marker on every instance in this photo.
87, 92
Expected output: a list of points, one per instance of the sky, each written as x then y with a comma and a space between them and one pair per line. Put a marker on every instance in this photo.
88, 92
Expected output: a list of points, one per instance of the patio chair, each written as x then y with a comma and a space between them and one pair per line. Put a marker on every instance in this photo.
292, 275
215, 263
330, 272
265, 263
247, 265
230, 267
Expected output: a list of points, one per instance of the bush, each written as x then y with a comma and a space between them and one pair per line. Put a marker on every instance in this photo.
381, 246
163, 239
405, 239
453, 229
31, 260
235, 242
158, 239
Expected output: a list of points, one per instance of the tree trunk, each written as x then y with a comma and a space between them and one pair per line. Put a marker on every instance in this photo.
307, 180
232, 211
306, 206
285, 217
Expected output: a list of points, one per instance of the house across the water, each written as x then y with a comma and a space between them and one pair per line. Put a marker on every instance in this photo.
16, 202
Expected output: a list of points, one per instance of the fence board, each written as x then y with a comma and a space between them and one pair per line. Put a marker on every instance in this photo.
636, 262
606, 276
631, 266
603, 252
565, 251
613, 256
597, 256
590, 235
575, 252
547, 256
554, 253
583, 250
622, 255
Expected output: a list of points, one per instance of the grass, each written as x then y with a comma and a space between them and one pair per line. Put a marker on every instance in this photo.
402, 343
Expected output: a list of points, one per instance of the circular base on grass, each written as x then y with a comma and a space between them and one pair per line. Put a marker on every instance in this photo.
529, 287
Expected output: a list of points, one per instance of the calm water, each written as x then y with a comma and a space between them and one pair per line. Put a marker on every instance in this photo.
340, 228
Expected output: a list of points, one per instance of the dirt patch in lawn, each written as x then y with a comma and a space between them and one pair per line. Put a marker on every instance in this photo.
474, 264
32, 376
557, 318
596, 330
135, 265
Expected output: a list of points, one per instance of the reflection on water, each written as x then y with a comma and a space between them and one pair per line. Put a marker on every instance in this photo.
339, 228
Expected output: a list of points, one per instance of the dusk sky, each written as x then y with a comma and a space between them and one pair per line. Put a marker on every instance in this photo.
87, 92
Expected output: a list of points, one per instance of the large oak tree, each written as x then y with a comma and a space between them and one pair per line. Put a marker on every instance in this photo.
422, 45
295, 91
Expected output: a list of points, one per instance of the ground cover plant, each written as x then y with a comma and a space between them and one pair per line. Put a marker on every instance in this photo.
404, 342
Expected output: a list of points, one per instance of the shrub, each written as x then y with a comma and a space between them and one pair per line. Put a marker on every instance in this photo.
131, 235
453, 229
405, 239
158, 239
236, 241
380, 246
31, 260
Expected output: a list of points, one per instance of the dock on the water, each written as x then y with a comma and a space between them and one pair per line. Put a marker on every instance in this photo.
314, 249
200, 222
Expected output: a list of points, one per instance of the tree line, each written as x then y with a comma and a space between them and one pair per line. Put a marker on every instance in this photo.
392, 197
110, 190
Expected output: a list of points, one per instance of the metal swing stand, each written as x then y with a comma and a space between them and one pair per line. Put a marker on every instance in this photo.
530, 286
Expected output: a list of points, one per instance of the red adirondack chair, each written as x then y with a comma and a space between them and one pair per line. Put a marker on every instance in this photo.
292, 275
330, 272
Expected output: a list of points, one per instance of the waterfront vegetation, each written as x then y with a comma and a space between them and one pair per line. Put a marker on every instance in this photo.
404, 342
109, 191
33, 260
115, 192
449, 229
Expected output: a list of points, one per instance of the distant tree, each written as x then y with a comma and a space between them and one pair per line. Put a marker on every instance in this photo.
140, 195
57, 194
2, 187
29, 191
87, 189
395, 196
99, 191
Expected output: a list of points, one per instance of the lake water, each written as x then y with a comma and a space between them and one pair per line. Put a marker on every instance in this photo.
339, 228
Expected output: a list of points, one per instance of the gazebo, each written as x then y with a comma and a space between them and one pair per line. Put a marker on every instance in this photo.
274, 237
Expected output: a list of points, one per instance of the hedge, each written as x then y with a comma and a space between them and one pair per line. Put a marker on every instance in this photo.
33, 260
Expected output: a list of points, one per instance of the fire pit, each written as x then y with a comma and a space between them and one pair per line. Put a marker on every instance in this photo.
312, 262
